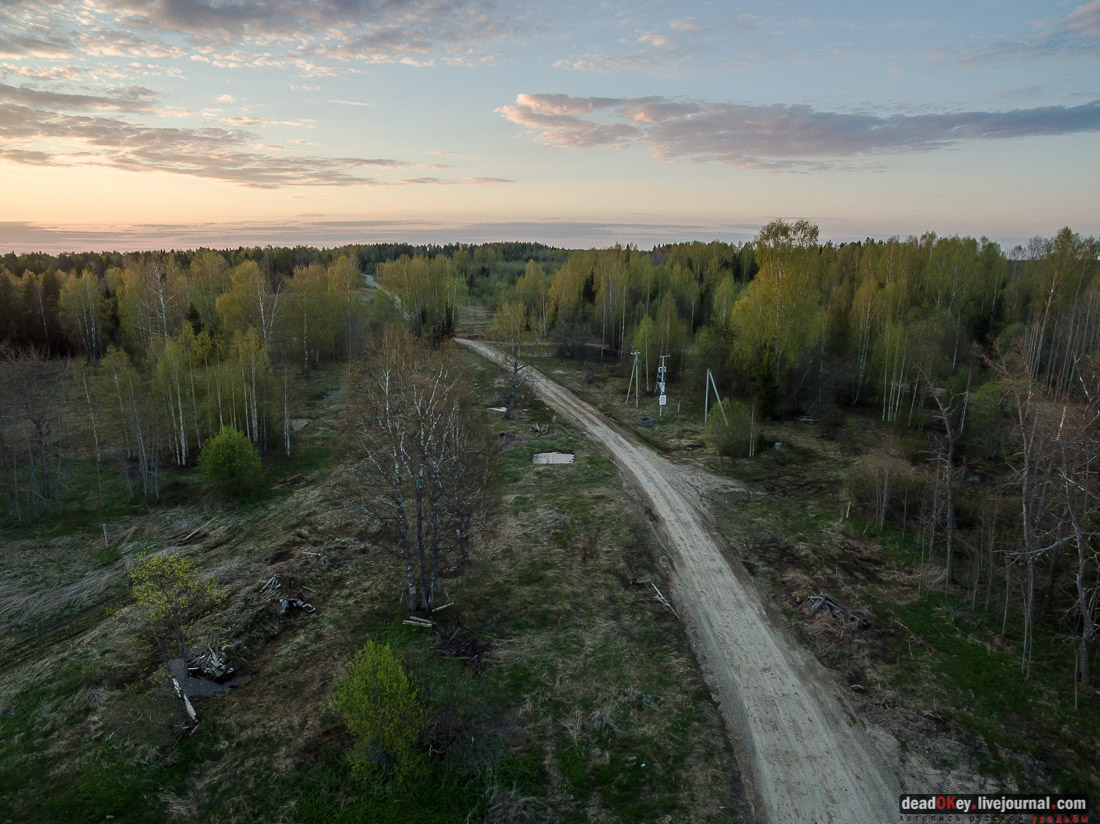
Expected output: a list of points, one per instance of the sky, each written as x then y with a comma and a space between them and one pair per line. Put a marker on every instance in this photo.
132, 124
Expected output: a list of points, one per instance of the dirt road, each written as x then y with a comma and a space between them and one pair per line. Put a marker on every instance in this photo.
806, 758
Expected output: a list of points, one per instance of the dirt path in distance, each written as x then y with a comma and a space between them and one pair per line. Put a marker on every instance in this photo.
806, 757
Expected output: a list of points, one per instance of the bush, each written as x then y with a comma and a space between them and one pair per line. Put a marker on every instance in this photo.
230, 464
380, 706
740, 438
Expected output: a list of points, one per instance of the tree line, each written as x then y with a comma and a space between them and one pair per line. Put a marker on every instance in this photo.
137, 366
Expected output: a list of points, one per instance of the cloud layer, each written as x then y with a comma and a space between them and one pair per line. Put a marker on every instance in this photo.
772, 137
310, 34
46, 128
1075, 36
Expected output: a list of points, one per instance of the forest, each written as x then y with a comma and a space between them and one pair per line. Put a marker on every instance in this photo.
980, 367
997, 353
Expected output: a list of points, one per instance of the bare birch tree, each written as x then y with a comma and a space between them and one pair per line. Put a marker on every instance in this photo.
510, 327
413, 443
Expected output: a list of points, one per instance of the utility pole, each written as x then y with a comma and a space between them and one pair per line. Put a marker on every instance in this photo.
718, 398
634, 378
662, 399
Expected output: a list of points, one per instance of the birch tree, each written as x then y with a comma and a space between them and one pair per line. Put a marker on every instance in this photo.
84, 313
776, 320
252, 302
412, 439
510, 328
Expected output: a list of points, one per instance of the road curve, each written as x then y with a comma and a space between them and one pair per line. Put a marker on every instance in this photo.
806, 758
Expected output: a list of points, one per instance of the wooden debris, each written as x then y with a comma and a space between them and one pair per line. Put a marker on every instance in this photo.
416, 621
662, 599
212, 664
197, 529
188, 710
540, 428
438, 609
824, 601
297, 602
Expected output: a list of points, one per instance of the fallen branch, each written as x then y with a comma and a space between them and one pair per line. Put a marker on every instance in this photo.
662, 599
185, 538
186, 702
824, 601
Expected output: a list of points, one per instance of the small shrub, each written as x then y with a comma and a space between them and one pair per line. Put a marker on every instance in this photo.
230, 465
740, 437
380, 706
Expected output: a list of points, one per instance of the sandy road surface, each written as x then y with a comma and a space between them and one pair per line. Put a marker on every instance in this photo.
807, 759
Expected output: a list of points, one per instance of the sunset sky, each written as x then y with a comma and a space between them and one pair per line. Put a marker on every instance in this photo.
176, 123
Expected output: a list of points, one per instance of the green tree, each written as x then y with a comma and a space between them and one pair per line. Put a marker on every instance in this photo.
84, 313
565, 300
252, 302
343, 279
312, 316
671, 335
777, 319
230, 465
382, 710
152, 301
168, 596
532, 289
208, 280
645, 342
174, 382
428, 290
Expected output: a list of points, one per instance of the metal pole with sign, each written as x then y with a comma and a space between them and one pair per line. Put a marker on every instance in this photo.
662, 398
